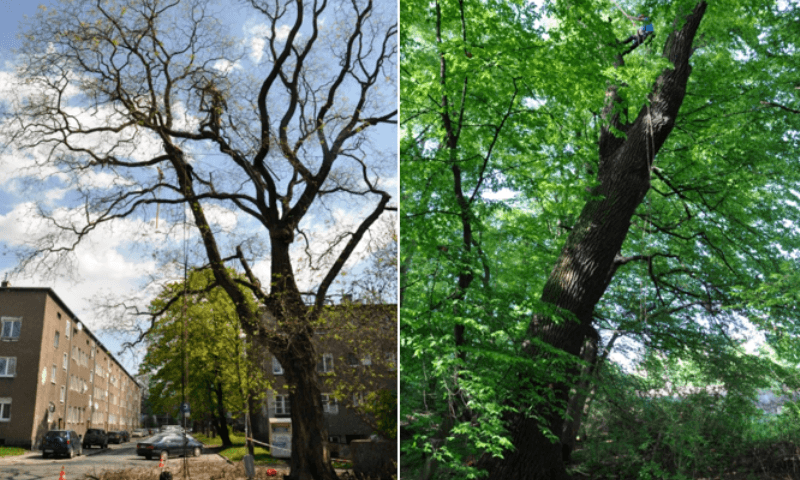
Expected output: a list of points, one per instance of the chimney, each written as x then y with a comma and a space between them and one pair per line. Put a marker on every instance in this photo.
5, 283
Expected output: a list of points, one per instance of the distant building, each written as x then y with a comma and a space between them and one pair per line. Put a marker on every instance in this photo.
357, 345
55, 374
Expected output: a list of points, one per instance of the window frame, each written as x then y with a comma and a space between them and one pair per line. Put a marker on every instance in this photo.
4, 373
56, 339
276, 363
326, 367
285, 405
12, 321
3, 410
329, 403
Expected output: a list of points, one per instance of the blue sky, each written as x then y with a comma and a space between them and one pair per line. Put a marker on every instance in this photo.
116, 262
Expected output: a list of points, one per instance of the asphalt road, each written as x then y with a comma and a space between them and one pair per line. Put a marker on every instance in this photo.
116, 457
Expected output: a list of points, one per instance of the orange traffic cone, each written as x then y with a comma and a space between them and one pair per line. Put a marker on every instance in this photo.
160, 464
63, 475
272, 472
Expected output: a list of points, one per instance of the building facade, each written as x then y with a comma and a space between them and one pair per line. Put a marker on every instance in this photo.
54, 372
357, 347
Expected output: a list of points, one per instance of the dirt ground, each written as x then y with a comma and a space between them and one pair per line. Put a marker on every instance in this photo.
203, 471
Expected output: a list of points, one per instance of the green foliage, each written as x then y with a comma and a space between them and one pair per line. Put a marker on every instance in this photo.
673, 421
382, 405
707, 256
199, 333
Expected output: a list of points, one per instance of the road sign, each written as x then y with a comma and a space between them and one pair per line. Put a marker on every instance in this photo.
185, 407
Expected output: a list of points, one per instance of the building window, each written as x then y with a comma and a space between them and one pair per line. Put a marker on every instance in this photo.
277, 368
358, 399
53, 374
91, 376
5, 409
63, 393
366, 360
66, 330
282, 405
329, 404
11, 327
8, 366
352, 360
326, 365
65, 362
56, 339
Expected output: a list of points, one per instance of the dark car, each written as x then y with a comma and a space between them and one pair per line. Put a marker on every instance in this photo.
61, 442
95, 436
115, 437
168, 444
126, 436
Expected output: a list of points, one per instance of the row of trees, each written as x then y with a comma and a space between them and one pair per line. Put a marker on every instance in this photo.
563, 202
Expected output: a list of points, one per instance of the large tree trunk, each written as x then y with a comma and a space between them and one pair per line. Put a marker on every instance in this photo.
586, 264
291, 343
310, 454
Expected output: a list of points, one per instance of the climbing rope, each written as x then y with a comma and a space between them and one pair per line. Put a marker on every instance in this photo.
650, 145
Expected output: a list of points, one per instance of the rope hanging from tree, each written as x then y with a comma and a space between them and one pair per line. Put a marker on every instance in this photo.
647, 227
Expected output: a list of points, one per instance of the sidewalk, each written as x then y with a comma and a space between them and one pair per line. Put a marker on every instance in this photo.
38, 453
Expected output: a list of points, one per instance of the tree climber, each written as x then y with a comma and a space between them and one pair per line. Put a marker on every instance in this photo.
641, 34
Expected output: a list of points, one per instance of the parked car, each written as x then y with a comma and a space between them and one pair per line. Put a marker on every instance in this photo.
140, 432
171, 428
61, 442
126, 436
168, 444
115, 437
95, 436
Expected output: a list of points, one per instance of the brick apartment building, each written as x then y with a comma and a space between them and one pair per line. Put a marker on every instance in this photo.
357, 346
55, 374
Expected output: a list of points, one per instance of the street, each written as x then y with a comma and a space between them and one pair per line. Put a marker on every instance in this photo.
116, 457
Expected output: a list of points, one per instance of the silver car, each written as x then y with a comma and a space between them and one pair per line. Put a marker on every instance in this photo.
167, 445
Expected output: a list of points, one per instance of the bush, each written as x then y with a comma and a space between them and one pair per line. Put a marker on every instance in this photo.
633, 433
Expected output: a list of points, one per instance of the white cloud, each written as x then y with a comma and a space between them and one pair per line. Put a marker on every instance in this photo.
225, 66
256, 36
223, 217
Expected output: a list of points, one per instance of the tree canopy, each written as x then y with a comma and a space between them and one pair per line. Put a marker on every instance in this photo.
557, 192
198, 354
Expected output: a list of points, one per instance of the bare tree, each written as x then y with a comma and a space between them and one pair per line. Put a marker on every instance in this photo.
144, 103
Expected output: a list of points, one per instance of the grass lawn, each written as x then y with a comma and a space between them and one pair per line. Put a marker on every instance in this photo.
11, 451
239, 450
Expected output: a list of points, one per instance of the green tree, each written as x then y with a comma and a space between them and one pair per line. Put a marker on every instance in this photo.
646, 198
195, 353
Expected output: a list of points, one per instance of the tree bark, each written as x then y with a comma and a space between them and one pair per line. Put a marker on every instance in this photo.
583, 270
310, 453
219, 419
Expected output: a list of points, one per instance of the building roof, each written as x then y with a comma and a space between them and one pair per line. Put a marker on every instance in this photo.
54, 296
